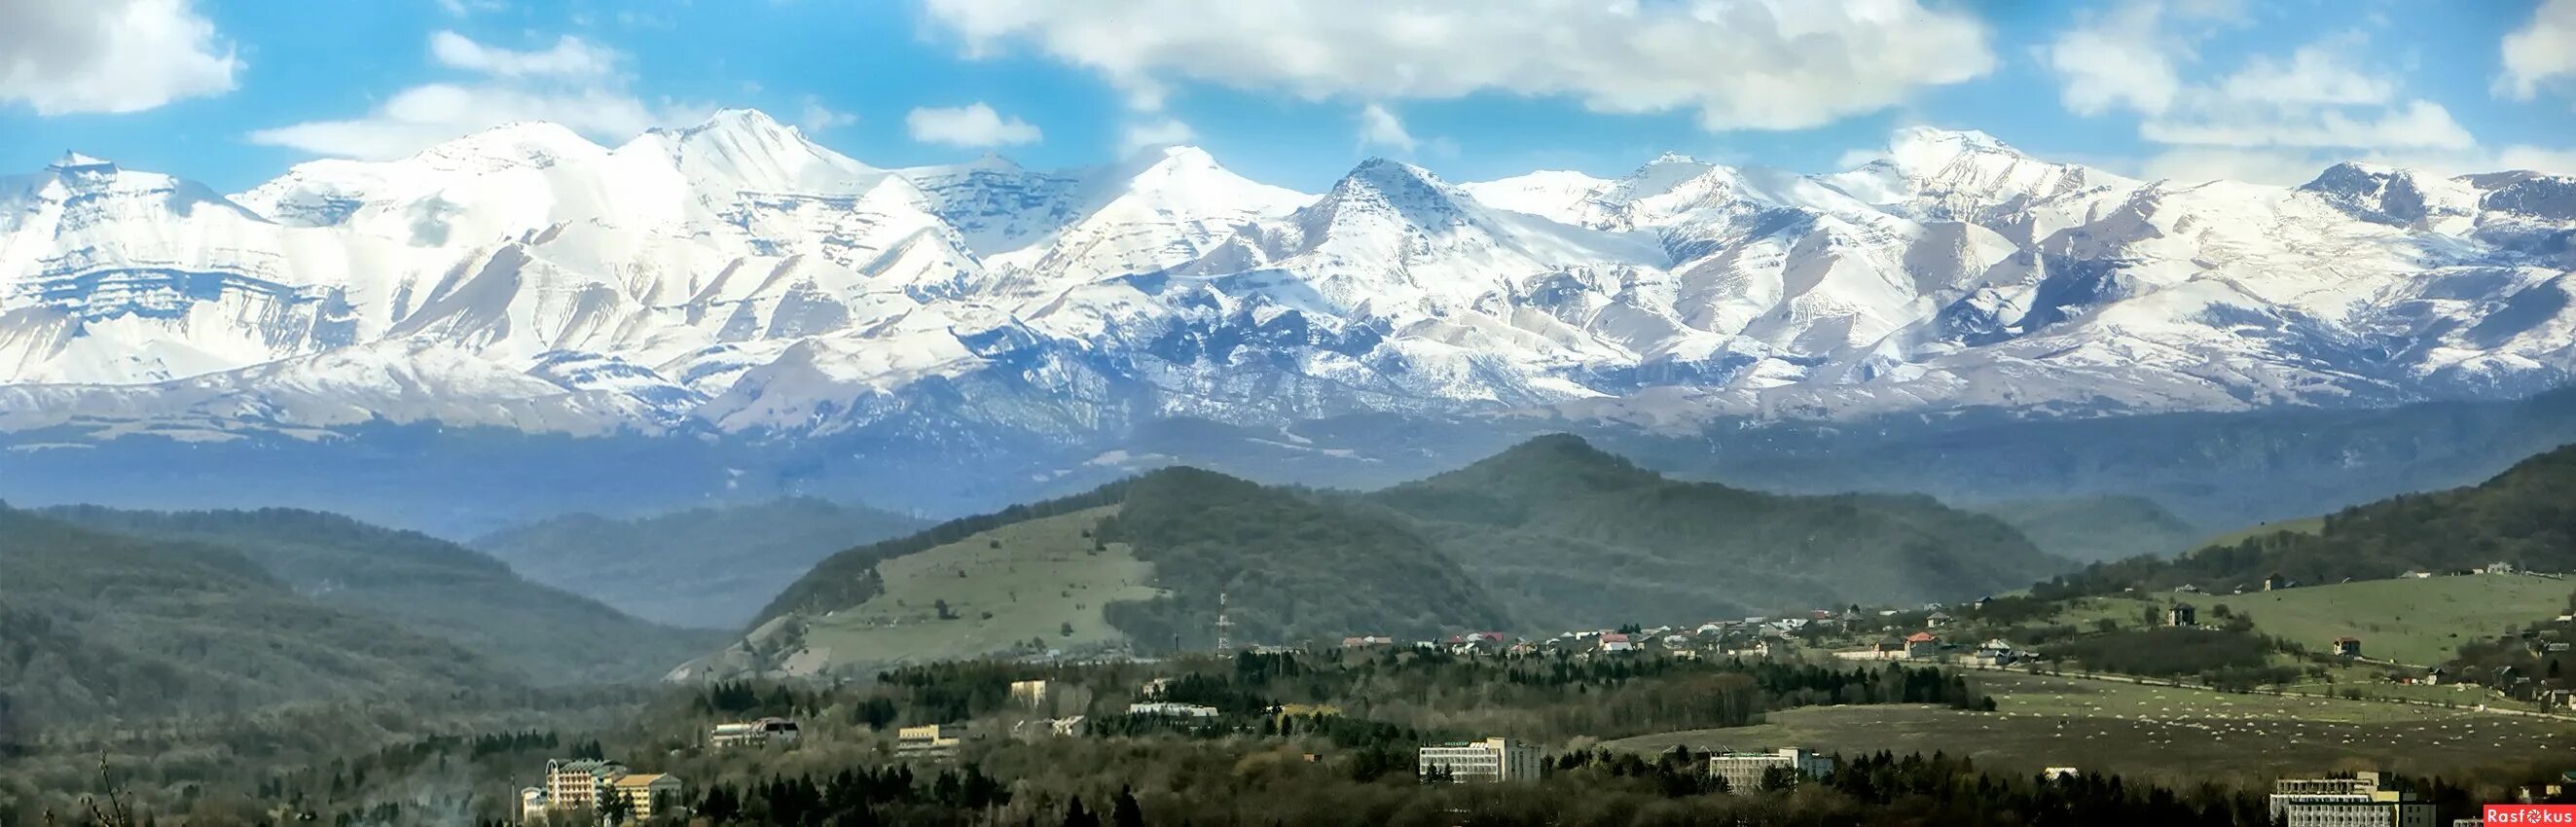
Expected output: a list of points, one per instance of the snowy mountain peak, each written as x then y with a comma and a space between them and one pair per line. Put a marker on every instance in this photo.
748, 150
76, 161
529, 144
1946, 174
2396, 196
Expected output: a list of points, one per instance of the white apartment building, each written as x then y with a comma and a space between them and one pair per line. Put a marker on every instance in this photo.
2346, 802
1487, 761
1743, 771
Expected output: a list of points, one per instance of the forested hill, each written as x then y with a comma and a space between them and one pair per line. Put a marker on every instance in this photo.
737, 557
1550, 535
1296, 566
2092, 529
96, 624
429, 586
2524, 516
1557, 521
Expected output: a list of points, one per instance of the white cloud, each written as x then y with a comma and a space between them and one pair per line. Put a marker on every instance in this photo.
2133, 59
972, 125
1163, 132
2120, 59
573, 83
462, 8
2222, 123
64, 57
2542, 52
570, 57
1763, 64
814, 117
1379, 127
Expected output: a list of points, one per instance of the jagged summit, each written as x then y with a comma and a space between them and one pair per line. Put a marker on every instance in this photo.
74, 160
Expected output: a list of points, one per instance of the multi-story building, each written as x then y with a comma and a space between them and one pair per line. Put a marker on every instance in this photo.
575, 785
1743, 771
649, 793
2358, 801
1029, 694
930, 741
585, 785
1487, 761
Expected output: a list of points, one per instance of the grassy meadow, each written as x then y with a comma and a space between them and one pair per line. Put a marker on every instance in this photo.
2162, 732
1002, 587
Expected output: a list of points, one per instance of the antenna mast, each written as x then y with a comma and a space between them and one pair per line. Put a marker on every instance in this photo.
1224, 625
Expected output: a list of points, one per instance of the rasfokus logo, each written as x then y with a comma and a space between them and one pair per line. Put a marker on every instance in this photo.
2531, 814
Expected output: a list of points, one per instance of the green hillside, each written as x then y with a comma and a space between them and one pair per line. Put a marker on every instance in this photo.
1547, 536
1685, 543
95, 624
1020, 588
1149, 558
2523, 517
429, 586
2407, 620
737, 557
2090, 529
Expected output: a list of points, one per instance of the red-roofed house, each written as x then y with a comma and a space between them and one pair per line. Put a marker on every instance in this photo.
1922, 645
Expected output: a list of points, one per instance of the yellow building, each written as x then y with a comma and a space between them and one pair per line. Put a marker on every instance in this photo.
652, 792
930, 741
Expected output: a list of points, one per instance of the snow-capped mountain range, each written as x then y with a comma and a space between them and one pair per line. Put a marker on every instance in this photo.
737, 277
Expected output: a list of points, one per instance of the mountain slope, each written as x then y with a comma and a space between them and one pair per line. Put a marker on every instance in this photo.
2095, 529
2521, 517
1547, 536
738, 557
98, 624
426, 585
1291, 566
1724, 543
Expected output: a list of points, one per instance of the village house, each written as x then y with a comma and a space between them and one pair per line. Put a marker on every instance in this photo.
2182, 614
2275, 582
1922, 645
1029, 694
1616, 642
1995, 652
2346, 647
1936, 620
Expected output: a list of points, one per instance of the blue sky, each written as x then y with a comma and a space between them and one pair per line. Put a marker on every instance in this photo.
232, 92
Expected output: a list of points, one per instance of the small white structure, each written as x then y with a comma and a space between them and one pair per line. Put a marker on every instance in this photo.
1493, 760
1172, 710
754, 733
